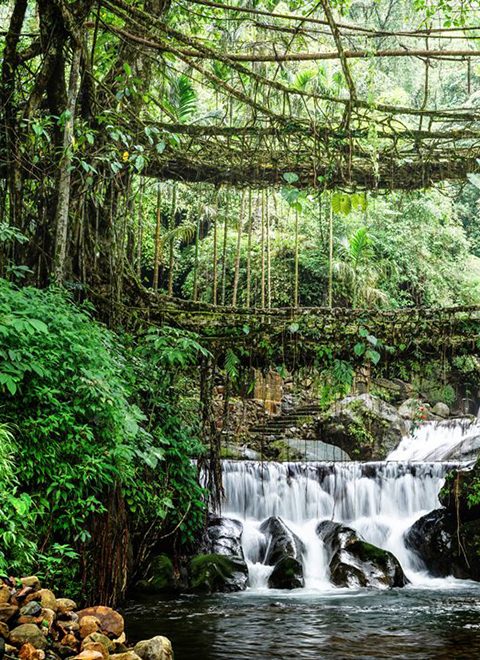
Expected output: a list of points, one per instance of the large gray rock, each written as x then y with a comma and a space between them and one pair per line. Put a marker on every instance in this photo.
156, 648
284, 552
364, 426
281, 541
287, 574
396, 390
224, 537
355, 563
221, 566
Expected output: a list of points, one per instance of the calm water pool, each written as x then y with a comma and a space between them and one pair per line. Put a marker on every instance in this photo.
409, 623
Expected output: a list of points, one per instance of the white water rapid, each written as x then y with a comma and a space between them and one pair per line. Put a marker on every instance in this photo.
379, 500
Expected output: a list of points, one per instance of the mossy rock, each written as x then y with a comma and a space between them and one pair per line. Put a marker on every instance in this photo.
461, 492
364, 426
287, 574
210, 573
368, 552
160, 577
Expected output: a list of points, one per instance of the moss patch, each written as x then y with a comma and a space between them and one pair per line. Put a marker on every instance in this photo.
209, 573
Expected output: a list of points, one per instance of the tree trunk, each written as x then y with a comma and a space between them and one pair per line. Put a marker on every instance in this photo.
9, 109
158, 231
224, 248
249, 247
295, 278
171, 262
269, 276
63, 200
262, 249
330, 255
140, 229
215, 213
195, 263
238, 250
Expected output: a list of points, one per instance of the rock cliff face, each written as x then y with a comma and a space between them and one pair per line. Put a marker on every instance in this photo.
447, 540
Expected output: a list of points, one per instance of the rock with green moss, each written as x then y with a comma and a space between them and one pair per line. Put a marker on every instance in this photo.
283, 551
447, 541
211, 573
355, 563
461, 492
287, 574
364, 426
159, 578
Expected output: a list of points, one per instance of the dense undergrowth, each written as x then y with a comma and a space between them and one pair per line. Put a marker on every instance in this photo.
85, 412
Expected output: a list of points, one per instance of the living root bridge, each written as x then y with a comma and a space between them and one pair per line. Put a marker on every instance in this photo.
304, 336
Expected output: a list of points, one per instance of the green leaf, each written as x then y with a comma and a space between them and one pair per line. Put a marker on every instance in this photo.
38, 325
139, 163
293, 327
359, 349
374, 356
290, 177
372, 340
474, 179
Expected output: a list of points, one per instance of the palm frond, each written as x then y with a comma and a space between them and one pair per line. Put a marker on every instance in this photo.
183, 98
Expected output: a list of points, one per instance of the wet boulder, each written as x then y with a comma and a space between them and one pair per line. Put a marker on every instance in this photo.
355, 563
224, 537
287, 574
434, 539
284, 552
211, 573
281, 541
27, 633
156, 648
335, 536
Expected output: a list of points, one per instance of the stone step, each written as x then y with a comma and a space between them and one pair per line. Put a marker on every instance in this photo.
278, 425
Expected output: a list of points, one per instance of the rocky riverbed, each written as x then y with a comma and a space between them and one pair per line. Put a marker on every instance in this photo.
36, 625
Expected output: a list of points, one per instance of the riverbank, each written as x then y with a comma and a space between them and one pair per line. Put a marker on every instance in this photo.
36, 625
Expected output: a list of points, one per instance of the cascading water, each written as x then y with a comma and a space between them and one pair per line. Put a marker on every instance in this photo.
379, 500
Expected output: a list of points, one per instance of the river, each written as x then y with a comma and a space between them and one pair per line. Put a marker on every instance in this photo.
429, 618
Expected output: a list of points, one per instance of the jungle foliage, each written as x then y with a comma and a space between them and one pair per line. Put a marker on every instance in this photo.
87, 412
225, 154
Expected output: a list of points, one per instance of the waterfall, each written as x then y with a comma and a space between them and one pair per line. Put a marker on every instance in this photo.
379, 500
457, 439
